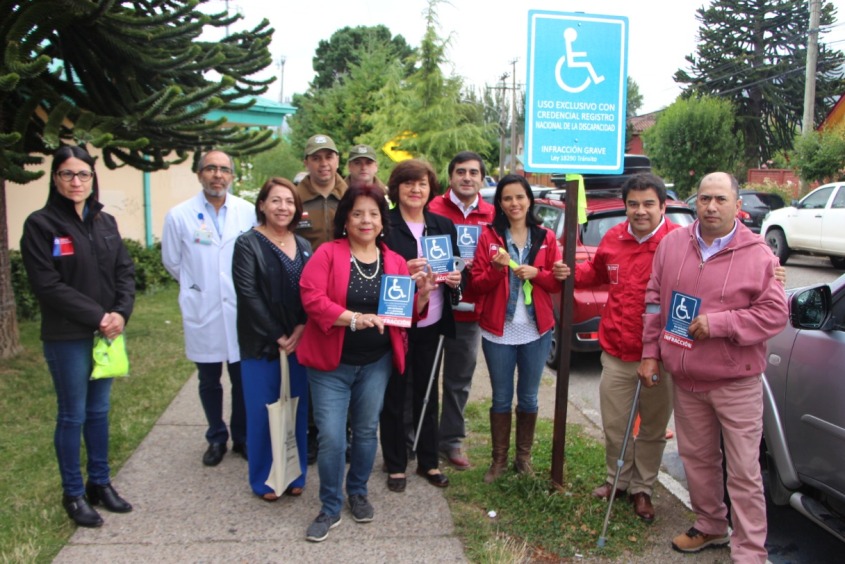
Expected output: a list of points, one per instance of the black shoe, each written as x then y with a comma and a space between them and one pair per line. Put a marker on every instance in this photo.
81, 512
240, 448
106, 495
214, 454
438, 480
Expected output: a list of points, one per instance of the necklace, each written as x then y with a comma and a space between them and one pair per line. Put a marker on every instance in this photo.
266, 233
361, 272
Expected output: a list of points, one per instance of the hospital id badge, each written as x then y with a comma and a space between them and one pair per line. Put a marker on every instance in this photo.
684, 309
202, 236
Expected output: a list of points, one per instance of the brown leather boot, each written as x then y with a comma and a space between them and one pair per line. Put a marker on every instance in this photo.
525, 423
500, 430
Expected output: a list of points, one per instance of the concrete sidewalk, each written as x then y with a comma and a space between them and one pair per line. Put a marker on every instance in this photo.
187, 512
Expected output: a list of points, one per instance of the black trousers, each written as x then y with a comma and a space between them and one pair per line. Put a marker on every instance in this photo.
422, 346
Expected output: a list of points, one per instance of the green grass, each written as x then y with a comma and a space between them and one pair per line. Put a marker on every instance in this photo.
533, 522
33, 525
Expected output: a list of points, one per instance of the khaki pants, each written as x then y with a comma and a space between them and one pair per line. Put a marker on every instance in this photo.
645, 453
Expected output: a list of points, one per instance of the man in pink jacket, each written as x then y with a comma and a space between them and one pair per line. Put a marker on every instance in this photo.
711, 305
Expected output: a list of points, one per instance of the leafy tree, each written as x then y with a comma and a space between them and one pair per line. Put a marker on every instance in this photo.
334, 58
691, 138
634, 103
820, 155
428, 110
130, 78
753, 52
341, 110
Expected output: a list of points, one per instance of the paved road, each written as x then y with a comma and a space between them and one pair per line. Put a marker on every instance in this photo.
792, 538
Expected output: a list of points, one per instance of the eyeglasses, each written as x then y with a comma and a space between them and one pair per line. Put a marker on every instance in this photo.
68, 175
214, 169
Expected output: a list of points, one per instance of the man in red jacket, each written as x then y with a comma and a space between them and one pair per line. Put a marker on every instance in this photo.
623, 260
462, 204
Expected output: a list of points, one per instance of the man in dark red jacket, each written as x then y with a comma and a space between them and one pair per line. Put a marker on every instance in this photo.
623, 260
462, 204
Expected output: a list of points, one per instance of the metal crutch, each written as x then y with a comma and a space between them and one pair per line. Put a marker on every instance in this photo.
434, 369
621, 460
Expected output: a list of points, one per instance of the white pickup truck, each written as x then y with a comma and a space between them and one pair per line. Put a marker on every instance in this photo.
814, 225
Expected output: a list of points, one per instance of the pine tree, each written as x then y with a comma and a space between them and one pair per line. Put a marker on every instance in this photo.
753, 53
131, 78
428, 111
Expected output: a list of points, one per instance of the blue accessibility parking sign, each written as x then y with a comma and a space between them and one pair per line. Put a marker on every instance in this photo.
576, 93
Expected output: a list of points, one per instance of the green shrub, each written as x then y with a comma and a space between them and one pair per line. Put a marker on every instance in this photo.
26, 306
149, 271
150, 274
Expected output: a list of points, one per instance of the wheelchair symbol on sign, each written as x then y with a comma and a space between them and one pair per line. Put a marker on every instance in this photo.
395, 292
435, 252
681, 311
466, 237
569, 36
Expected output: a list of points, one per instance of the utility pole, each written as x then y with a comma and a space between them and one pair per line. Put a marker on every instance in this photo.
513, 116
503, 124
282, 79
807, 125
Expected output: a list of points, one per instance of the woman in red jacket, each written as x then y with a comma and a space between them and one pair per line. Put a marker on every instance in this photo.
512, 271
348, 350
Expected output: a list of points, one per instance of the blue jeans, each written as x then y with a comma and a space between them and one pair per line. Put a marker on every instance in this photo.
83, 409
358, 390
502, 362
262, 385
211, 397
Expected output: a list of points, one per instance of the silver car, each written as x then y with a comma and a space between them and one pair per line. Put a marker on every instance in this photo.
804, 418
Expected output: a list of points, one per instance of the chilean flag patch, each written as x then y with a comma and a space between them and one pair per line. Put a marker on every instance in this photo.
62, 247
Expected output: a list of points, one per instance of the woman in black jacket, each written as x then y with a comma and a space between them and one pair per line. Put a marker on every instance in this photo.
84, 280
411, 187
266, 268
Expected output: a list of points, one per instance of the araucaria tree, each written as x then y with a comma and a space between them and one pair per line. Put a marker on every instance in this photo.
753, 52
131, 78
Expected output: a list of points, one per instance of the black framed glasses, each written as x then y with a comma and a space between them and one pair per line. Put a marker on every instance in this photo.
214, 169
68, 175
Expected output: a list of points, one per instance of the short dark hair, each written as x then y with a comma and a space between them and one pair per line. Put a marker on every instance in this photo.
409, 171
500, 220
465, 156
64, 153
265, 192
347, 202
202, 159
644, 181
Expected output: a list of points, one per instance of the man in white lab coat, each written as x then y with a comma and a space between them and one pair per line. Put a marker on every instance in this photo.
196, 248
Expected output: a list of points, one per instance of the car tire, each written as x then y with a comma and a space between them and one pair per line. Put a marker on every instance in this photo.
838, 262
553, 358
777, 243
778, 493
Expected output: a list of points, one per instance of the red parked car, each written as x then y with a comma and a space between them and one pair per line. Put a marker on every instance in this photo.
604, 210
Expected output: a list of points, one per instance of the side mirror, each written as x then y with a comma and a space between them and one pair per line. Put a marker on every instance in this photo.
810, 308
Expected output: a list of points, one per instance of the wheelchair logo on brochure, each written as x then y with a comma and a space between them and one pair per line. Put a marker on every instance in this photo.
684, 310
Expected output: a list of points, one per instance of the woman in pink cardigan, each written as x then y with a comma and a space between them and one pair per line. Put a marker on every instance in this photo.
348, 350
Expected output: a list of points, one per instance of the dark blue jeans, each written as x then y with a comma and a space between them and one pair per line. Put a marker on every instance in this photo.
523, 361
358, 391
83, 410
211, 397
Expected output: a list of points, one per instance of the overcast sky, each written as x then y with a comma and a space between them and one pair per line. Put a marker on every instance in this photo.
487, 35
